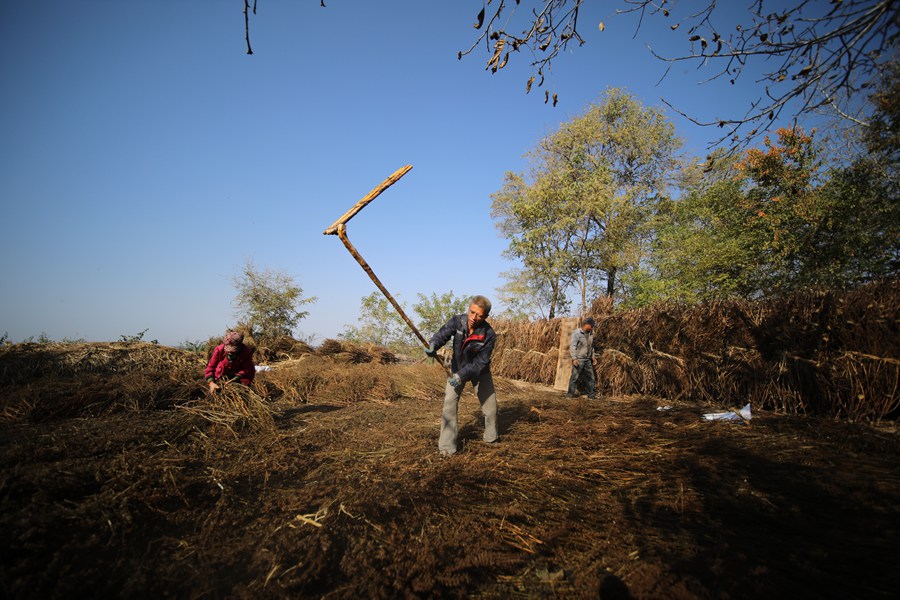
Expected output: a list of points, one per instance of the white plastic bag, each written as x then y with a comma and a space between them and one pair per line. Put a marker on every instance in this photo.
730, 415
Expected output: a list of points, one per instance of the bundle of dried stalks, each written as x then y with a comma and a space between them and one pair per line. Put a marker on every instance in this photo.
330, 346
326, 381
382, 355
281, 348
862, 386
52, 381
548, 370
353, 353
811, 352
663, 374
535, 365
293, 380
618, 374
526, 350
507, 362
25, 362
237, 408
602, 306
540, 336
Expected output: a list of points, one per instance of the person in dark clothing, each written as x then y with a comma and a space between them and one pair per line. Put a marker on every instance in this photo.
582, 351
473, 344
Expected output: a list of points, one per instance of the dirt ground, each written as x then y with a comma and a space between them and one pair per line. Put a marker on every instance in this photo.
610, 498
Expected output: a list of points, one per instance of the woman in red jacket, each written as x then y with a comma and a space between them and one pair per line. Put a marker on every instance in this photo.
231, 360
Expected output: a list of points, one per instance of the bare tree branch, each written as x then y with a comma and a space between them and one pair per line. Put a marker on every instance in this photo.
247, 23
822, 54
826, 56
552, 25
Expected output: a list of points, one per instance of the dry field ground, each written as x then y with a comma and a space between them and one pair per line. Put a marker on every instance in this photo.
339, 492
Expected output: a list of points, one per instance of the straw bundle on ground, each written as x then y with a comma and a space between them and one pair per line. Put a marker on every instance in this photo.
381, 354
20, 363
281, 348
526, 350
862, 384
51, 381
540, 336
617, 374
236, 408
329, 347
507, 362
662, 374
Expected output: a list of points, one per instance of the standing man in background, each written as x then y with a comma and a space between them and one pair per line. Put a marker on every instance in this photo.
473, 344
582, 351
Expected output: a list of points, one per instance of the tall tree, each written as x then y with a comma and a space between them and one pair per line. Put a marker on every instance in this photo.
540, 227
702, 248
269, 301
776, 221
435, 310
581, 216
619, 159
379, 323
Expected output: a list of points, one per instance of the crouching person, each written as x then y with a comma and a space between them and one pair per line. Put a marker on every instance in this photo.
473, 344
232, 360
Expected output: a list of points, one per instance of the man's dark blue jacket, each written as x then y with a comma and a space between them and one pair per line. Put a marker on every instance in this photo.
471, 350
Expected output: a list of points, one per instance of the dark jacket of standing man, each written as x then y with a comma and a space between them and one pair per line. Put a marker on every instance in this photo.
582, 351
473, 345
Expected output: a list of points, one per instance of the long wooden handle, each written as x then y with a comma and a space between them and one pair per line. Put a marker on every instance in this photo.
339, 228
342, 233
367, 198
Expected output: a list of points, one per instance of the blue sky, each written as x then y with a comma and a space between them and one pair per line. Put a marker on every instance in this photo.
144, 156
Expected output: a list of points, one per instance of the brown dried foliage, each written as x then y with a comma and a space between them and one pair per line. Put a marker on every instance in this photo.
53, 381
813, 352
323, 480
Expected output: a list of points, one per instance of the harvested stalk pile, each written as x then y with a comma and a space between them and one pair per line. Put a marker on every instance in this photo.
51, 381
833, 353
323, 479
237, 408
281, 348
527, 351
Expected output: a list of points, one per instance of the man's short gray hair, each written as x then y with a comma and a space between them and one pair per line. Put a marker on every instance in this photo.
483, 303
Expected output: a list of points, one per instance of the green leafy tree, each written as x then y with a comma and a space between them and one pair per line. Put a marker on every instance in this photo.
380, 323
776, 221
540, 226
864, 196
582, 219
524, 295
881, 136
269, 301
702, 249
859, 239
435, 310
621, 158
